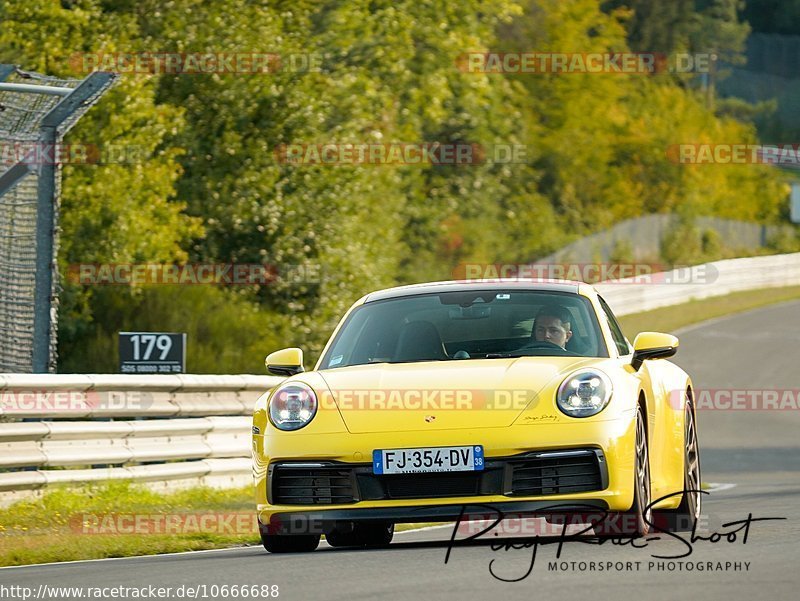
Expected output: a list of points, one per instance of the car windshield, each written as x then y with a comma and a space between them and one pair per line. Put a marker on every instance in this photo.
467, 325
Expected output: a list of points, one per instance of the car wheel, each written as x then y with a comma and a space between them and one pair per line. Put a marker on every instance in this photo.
290, 543
641, 510
362, 535
688, 512
378, 535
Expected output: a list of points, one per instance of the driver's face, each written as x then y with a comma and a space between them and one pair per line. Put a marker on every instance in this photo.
550, 329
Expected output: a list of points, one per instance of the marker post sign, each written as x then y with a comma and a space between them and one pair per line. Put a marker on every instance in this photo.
152, 353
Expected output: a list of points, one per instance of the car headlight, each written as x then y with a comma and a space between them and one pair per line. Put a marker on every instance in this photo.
584, 393
292, 406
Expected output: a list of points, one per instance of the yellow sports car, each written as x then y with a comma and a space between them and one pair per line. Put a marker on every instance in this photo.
434, 399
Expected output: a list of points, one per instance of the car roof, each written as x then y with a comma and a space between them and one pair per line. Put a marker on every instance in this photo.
468, 285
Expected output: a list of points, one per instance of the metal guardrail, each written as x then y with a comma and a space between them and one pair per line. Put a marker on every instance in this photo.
705, 281
193, 429
170, 429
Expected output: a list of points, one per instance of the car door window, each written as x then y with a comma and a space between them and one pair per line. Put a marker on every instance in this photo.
616, 332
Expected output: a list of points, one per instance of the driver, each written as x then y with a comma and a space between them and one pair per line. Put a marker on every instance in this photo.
552, 324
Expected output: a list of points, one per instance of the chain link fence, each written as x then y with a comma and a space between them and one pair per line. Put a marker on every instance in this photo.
36, 111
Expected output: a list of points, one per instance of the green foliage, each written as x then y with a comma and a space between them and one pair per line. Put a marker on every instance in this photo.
711, 244
209, 187
719, 30
684, 26
773, 16
786, 240
226, 331
621, 252
49, 528
604, 138
656, 26
682, 242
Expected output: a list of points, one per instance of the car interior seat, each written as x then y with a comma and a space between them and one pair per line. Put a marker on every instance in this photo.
576, 344
419, 341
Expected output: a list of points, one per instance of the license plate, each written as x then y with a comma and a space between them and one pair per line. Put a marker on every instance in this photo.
433, 459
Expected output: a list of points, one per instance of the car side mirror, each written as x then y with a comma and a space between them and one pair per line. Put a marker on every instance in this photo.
285, 362
652, 345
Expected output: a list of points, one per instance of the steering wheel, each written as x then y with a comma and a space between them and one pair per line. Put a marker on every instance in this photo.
544, 344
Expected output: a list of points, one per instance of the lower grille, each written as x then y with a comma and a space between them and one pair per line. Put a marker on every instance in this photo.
531, 474
552, 474
409, 486
324, 485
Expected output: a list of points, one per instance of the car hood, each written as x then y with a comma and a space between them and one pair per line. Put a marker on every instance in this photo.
438, 395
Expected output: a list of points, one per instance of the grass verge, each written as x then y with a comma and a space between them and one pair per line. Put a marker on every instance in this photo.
67, 525
97, 522
88, 523
669, 319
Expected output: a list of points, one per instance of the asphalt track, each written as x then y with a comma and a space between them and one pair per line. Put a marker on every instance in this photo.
755, 451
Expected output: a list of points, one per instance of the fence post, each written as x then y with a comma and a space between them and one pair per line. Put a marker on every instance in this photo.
39, 111
44, 319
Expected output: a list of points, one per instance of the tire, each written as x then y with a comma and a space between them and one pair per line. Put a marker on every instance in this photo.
290, 543
378, 535
643, 514
372, 535
688, 512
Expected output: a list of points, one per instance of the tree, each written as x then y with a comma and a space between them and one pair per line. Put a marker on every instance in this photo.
212, 188
772, 16
114, 212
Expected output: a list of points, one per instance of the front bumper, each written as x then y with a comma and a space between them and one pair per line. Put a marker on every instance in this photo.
614, 438
321, 522
542, 473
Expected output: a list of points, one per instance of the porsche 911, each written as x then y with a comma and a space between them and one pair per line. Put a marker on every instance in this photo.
434, 398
